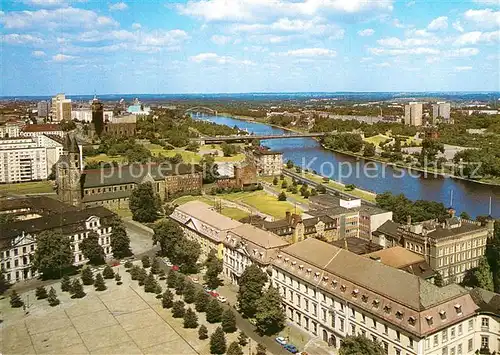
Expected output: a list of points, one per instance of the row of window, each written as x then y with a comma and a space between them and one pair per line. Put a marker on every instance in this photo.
16, 251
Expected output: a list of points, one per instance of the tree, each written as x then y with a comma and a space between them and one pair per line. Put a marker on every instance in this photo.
167, 299
492, 254
99, 283
242, 339
438, 280
465, 215
282, 196
166, 234
483, 275
77, 289
213, 269
15, 300
260, 350
87, 276
150, 283
369, 150
120, 241
41, 293
145, 262
155, 266
52, 298
144, 203
289, 164
228, 321
179, 286
66, 284
234, 349
210, 169
190, 319
251, 283
202, 332
201, 301
4, 285
186, 254
53, 254
189, 293
270, 317
118, 279
355, 345
172, 279
92, 250
141, 276
284, 184
134, 272
218, 342
178, 309
275, 181
108, 273
128, 264
214, 312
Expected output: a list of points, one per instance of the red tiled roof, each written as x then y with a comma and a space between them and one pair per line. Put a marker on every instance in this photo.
45, 127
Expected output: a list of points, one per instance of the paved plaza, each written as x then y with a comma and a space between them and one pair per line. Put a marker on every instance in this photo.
121, 320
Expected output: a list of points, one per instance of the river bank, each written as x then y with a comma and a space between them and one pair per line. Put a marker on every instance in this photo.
425, 171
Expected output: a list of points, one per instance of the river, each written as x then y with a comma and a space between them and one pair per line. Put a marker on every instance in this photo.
373, 176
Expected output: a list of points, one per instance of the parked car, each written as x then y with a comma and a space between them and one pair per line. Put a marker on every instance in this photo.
169, 264
281, 340
222, 299
175, 268
291, 348
252, 321
214, 294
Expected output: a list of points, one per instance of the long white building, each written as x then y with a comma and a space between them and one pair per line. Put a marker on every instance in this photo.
40, 214
28, 158
332, 293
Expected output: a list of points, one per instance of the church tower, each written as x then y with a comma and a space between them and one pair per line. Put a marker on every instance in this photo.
68, 176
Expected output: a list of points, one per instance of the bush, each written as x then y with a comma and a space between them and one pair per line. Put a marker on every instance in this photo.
282, 196
145, 262
202, 333
41, 293
108, 273
128, 264
178, 309
87, 276
15, 300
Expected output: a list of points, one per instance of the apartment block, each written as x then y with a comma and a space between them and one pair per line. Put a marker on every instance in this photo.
269, 163
60, 108
413, 114
441, 113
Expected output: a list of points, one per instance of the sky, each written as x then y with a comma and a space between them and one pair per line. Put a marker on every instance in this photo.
236, 46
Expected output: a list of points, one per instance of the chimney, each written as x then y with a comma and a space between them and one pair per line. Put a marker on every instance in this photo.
408, 220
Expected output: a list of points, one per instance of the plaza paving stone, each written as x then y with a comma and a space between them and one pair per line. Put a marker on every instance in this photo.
95, 320
55, 340
140, 319
104, 337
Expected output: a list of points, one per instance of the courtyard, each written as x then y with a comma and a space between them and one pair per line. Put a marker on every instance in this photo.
120, 320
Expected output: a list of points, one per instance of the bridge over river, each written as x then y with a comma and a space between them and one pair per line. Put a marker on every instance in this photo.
251, 137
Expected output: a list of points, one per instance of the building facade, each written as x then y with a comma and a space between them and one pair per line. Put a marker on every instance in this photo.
60, 108
35, 130
332, 293
246, 245
10, 129
43, 109
413, 114
268, 163
441, 113
68, 173
205, 226
18, 243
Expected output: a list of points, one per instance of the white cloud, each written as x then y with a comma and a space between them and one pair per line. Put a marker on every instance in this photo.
136, 26
405, 51
486, 18
259, 10
396, 23
220, 40
68, 17
411, 3
366, 32
458, 26
459, 69
46, 3
119, 6
404, 43
38, 54
15, 38
440, 23
461, 52
310, 53
213, 58
142, 41
476, 37
314, 27
62, 57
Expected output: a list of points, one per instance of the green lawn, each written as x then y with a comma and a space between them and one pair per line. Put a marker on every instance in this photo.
182, 200
234, 158
376, 140
288, 180
106, 158
35, 187
187, 156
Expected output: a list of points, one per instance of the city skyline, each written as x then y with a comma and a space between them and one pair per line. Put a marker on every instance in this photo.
216, 46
